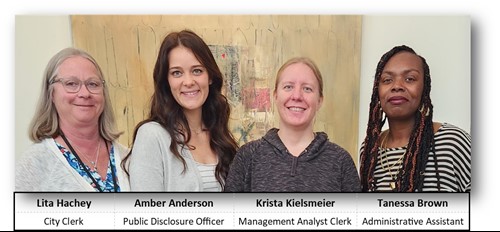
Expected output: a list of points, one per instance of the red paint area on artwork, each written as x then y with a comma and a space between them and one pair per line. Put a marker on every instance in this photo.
257, 99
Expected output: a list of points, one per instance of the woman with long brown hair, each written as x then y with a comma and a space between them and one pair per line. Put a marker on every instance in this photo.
185, 143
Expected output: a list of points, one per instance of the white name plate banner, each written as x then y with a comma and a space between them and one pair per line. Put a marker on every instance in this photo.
175, 211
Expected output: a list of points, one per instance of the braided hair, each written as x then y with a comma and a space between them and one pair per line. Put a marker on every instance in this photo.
411, 176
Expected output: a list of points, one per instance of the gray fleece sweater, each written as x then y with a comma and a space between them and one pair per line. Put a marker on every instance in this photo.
265, 165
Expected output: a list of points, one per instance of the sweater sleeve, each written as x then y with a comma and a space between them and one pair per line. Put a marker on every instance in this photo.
350, 177
28, 174
43, 168
238, 179
146, 161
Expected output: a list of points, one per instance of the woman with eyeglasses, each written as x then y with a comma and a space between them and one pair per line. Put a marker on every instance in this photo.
73, 131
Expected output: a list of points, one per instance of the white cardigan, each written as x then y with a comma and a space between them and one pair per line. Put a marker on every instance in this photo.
43, 168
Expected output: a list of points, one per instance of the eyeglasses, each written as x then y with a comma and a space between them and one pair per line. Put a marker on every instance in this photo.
73, 85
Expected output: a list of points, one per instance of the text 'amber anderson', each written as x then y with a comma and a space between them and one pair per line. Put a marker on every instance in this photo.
173, 203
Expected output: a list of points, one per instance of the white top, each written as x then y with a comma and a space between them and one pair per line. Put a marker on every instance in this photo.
44, 168
207, 172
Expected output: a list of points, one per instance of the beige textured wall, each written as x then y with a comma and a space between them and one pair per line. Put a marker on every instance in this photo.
248, 48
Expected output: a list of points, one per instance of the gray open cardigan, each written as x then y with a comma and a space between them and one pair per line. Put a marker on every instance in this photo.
153, 167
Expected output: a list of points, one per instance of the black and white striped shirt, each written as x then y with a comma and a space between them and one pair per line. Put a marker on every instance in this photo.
453, 155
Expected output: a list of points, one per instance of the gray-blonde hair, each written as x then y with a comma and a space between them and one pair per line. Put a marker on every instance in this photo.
45, 123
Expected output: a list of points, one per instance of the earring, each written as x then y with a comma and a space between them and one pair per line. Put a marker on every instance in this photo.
422, 109
380, 109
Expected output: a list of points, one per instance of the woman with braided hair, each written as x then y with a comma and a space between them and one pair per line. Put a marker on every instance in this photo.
415, 154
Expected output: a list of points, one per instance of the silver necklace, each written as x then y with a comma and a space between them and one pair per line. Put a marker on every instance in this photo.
94, 163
